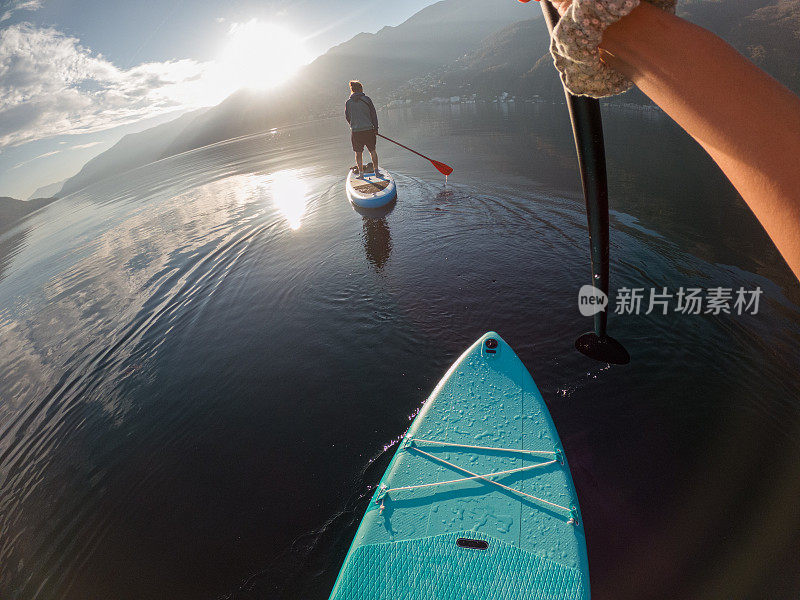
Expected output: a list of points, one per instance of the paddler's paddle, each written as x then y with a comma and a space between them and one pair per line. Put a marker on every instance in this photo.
587, 128
440, 166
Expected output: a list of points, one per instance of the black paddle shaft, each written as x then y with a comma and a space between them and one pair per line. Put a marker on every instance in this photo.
587, 129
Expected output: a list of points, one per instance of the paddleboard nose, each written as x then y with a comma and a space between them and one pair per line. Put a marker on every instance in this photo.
491, 344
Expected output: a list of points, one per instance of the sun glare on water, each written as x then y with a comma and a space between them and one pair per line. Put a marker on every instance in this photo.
261, 55
289, 195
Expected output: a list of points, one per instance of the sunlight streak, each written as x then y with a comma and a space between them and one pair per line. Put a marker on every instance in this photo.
261, 55
289, 195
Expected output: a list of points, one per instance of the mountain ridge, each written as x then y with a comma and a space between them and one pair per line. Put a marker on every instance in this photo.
431, 38
476, 49
50, 190
516, 58
133, 150
12, 210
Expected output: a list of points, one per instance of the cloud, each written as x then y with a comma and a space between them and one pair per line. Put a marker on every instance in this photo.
30, 160
54, 152
11, 7
52, 85
83, 146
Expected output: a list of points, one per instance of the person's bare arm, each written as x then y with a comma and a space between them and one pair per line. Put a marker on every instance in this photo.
747, 121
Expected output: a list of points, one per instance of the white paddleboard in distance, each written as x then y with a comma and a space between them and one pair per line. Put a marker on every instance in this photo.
371, 191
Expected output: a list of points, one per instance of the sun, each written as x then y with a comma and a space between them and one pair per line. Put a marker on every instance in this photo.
261, 55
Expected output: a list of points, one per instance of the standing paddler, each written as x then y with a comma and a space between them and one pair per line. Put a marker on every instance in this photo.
363, 118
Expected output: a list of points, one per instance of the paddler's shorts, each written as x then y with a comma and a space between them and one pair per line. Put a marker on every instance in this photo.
363, 138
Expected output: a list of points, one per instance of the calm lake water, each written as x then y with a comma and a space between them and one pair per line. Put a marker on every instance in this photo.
204, 362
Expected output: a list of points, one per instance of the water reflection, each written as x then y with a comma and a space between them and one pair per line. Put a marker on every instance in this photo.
10, 245
377, 241
446, 195
376, 235
136, 402
289, 194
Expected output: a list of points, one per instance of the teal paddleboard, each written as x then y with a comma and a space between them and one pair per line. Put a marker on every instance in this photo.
478, 502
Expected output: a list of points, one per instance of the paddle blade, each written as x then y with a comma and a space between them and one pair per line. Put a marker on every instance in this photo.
442, 168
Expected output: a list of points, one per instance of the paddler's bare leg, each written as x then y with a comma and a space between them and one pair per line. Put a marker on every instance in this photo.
360, 162
374, 155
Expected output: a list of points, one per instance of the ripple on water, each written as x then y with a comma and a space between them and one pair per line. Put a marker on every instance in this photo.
183, 340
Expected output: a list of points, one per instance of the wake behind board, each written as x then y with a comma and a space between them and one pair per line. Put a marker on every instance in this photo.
371, 191
478, 501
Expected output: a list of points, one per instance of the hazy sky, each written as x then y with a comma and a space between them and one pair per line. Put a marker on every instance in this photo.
76, 75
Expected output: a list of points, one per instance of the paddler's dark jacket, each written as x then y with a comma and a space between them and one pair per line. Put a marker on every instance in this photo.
360, 112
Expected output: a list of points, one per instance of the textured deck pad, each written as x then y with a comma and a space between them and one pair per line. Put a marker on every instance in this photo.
438, 569
370, 186
407, 538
